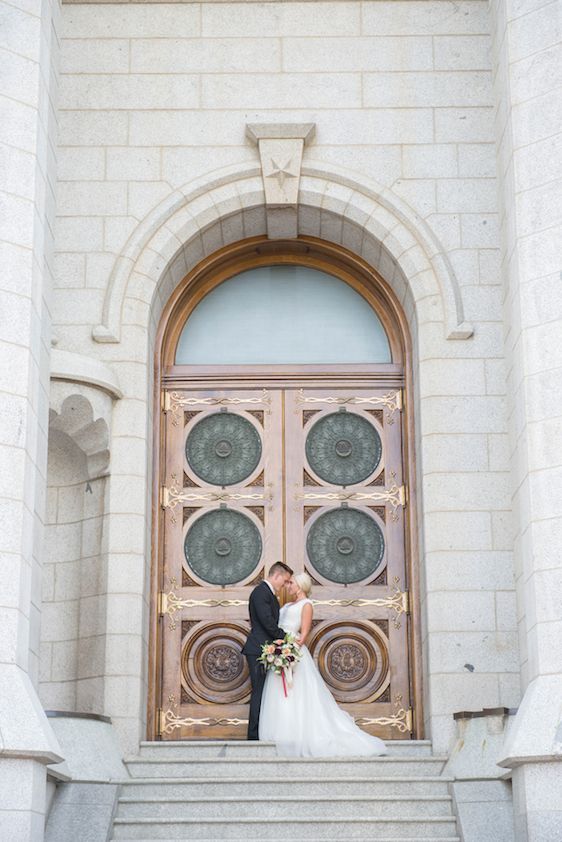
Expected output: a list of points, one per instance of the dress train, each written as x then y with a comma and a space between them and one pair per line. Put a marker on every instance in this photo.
309, 722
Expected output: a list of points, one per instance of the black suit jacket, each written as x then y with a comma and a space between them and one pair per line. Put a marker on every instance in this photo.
264, 619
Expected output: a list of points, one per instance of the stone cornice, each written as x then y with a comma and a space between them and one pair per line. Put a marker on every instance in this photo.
78, 368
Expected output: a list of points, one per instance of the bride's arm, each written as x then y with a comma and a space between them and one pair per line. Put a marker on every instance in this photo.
306, 623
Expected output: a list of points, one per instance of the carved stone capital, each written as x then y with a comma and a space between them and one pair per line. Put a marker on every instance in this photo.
280, 147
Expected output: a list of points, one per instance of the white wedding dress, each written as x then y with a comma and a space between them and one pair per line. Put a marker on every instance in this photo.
309, 722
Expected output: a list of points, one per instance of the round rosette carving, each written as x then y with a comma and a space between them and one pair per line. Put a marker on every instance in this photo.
352, 658
223, 547
343, 448
345, 545
213, 667
223, 449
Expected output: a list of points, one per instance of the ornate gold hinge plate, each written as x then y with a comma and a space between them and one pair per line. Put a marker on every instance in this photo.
398, 601
392, 401
169, 603
395, 496
175, 496
172, 401
168, 721
402, 720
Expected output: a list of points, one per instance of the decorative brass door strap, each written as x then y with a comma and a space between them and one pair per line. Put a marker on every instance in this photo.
395, 496
174, 401
391, 401
174, 496
398, 601
402, 720
168, 721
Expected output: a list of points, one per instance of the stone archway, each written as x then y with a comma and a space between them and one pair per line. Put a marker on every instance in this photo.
334, 205
223, 208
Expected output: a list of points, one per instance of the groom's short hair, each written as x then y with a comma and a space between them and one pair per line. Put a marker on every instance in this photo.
279, 567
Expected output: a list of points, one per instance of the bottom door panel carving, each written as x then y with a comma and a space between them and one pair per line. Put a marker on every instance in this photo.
214, 671
353, 659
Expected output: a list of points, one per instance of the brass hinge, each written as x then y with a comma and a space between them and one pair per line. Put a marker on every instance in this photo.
159, 722
162, 603
403, 495
164, 497
405, 602
165, 401
400, 399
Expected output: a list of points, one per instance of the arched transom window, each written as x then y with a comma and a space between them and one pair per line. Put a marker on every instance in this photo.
282, 314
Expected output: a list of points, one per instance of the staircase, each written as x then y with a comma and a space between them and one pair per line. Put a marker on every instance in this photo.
210, 791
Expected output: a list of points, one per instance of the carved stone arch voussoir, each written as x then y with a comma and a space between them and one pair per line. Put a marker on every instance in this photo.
229, 204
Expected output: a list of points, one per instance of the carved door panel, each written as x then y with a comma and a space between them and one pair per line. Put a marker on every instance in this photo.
345, 527
221, 500
313, 477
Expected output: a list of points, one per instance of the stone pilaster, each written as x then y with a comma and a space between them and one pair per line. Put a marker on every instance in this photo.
26, 209
527, 43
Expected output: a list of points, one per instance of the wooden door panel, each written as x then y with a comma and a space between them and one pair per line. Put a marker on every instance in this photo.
345, 527
221, 498
313, 477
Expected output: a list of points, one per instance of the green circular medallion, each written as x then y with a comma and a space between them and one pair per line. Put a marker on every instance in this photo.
223, 448
345, 545
343, 448
223, 547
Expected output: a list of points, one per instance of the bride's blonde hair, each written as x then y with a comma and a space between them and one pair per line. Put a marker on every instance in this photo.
304, 582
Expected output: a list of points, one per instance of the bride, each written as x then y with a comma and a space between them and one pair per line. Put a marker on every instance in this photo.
308, 722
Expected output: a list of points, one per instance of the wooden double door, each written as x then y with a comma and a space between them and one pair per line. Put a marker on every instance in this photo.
311, 476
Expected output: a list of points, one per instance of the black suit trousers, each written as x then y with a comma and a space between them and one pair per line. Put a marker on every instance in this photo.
257, 678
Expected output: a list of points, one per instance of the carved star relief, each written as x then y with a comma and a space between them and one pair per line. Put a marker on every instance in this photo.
281, 171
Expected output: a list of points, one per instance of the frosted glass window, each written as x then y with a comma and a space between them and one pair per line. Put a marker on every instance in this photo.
282, 314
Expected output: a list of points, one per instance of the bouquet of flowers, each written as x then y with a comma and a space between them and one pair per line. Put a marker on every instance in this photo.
281, 656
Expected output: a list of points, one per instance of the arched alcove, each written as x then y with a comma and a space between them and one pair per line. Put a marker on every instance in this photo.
74, 585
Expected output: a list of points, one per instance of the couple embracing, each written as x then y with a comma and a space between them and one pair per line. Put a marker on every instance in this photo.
307, 722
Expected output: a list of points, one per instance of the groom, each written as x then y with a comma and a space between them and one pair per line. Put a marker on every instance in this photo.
264, 619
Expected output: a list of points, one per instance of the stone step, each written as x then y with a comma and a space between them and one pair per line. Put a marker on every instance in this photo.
338, 807
309, 839
189, 749
288, 827
274, 787
284, 768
